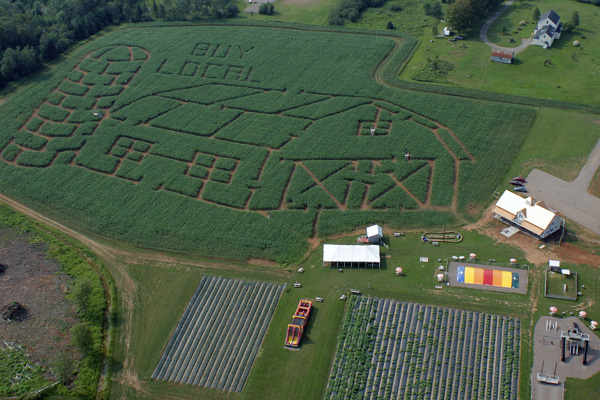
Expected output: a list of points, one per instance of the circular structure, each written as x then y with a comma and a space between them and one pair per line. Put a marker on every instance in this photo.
594, 323
440, 277
582, 314
576, 43
398, 271
553, 310
472, 256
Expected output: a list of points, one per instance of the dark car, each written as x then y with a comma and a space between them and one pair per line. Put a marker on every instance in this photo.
520, 179
459, 37
516, 183
521, 189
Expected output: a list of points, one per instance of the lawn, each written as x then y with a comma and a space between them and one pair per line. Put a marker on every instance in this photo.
302, 11
562, 285
561, 153
595, 184
571, 75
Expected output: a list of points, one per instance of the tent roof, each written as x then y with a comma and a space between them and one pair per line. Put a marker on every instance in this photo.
350, 253
374, 230
554, 263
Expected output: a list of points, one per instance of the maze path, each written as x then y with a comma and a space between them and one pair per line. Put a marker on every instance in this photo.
103, 69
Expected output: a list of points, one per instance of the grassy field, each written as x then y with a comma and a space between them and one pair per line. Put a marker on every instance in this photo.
250, 125
571, 76
302, 11
164, 290
564, 151
595, 185
562, 285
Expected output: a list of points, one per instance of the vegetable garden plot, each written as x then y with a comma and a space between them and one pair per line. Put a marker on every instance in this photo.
394, 350
307, 134
219, 334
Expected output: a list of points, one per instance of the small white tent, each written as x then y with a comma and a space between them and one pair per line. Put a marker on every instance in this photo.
374, 234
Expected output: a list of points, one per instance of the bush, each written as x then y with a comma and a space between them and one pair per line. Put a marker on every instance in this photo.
266, 9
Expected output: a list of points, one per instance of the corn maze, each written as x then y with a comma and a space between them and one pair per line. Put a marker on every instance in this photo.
219, 334
394, 350
222, 124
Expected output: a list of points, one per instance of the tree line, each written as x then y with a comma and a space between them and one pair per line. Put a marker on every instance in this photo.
33, 32
464, 15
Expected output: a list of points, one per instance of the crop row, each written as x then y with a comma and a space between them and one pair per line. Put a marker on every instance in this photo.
395, 350
219, 334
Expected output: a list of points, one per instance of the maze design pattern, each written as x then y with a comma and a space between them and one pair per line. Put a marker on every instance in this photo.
205, 142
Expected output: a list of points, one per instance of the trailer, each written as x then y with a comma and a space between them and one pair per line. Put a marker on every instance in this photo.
295, 330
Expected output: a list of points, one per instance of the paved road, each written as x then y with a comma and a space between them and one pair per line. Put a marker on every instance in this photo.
484, 29
570, 198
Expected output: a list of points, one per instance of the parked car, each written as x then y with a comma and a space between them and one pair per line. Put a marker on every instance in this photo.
459, 37
521, 189
516, 183
519, 178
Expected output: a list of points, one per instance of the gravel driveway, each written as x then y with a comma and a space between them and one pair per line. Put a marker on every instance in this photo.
484, 29
570, 198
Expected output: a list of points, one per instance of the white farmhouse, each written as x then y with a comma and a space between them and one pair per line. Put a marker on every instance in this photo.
528, 215
547, 30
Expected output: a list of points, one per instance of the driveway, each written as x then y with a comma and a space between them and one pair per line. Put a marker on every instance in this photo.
484, 29
570, 198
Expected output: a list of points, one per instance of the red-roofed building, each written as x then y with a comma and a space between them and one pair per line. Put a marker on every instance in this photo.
502, 56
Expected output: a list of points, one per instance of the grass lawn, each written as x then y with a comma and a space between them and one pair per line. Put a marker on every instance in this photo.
572, 75
562, 285
406, 15
559, 143
302, 11
595, 185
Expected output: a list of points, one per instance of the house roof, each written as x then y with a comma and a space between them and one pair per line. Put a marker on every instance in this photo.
546, 29
536, 216
502, 53
350, 253
552, 16
374, 230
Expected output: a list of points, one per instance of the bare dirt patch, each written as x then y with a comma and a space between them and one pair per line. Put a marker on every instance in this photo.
36, 283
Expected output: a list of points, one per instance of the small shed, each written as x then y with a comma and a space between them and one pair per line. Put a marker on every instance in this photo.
447, 31
502, 56
554, 266
374, 234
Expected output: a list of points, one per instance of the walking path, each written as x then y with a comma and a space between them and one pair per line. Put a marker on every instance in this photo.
570, 198
484, 29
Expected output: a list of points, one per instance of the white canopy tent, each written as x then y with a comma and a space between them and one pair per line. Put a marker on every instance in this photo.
351, 255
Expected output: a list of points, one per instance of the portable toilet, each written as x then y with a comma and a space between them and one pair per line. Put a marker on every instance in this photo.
374, 234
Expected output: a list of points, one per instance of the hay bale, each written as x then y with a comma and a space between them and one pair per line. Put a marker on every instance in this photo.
523, 23
576, 43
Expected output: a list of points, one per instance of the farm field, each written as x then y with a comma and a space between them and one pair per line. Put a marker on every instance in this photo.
276, 152
200, 353
395, 350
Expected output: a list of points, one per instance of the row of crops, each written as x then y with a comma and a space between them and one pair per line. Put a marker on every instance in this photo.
395, 350
297, 111
219, 334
